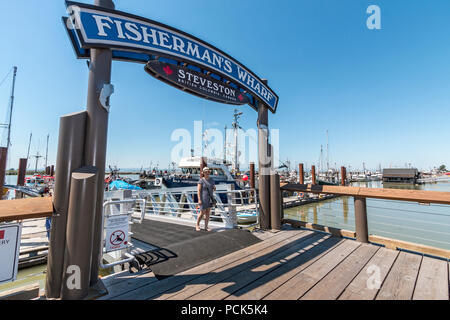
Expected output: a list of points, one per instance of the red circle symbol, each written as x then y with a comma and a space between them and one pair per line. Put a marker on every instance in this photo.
117, 238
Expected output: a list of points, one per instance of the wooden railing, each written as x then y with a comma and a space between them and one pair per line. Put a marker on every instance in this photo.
361, 226
22, 209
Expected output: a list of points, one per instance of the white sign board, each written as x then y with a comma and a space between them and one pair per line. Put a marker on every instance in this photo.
117, 232
9, 251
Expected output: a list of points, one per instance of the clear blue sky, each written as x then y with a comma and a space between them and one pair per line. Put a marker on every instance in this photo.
383, 94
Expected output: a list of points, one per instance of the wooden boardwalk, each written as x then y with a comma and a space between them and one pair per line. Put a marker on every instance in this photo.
296, 264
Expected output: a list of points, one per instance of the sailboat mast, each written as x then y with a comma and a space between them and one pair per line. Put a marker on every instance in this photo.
225, 146
46, 152
29, 145
11, 107
328, 158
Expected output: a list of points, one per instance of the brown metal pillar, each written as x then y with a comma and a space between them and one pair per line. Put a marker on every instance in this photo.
3, 157
301, 174
47, 171
22, 172
69, 158
362, 233
265, 164
275, 195
79, 239
52, 170
96, 135
313, 174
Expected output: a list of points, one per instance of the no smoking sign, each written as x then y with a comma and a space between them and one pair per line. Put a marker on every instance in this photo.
117, 230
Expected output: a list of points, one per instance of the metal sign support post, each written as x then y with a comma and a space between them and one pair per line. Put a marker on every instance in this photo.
264, 165
96, 135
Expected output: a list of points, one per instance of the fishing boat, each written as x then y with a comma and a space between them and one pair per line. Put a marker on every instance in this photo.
190, 173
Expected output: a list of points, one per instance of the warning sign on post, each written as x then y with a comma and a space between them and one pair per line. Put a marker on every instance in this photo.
117, 230
9, 251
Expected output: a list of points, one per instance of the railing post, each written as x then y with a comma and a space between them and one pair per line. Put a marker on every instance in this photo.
362, 233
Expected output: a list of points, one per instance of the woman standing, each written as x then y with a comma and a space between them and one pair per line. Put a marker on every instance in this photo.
205, 190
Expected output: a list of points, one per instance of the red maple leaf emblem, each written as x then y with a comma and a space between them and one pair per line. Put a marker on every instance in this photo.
2, 234
167, 70
240, 97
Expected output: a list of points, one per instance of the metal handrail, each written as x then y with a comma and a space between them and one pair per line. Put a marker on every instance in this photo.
128, 255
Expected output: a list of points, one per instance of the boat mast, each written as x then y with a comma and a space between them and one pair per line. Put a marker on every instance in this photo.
328, 157
29, 145
11, 107
225, 147
236, 127
37, 156
46, 152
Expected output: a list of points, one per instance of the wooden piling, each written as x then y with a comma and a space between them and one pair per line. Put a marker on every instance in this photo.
22, 171
275, 195
343, 176
252, 175
3, 156
301, 174
313, 174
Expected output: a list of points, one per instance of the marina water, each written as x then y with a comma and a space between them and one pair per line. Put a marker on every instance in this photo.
408, 221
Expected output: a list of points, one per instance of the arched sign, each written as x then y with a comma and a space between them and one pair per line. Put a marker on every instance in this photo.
138, 39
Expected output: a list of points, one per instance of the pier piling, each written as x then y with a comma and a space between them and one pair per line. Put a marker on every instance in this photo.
275, 195
3, 156
343, 174
313, 174
301, 174
22, 171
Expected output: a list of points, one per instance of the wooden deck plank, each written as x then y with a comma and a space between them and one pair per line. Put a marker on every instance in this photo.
432, 281
266, 284
303, 281
145, 290
225, 288
335, 282
358, 289
127, 282
234, 269
400, 282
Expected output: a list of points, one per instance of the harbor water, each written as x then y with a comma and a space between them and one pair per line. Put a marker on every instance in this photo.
408, 221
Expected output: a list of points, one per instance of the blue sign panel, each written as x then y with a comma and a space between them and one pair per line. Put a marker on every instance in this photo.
98, 27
